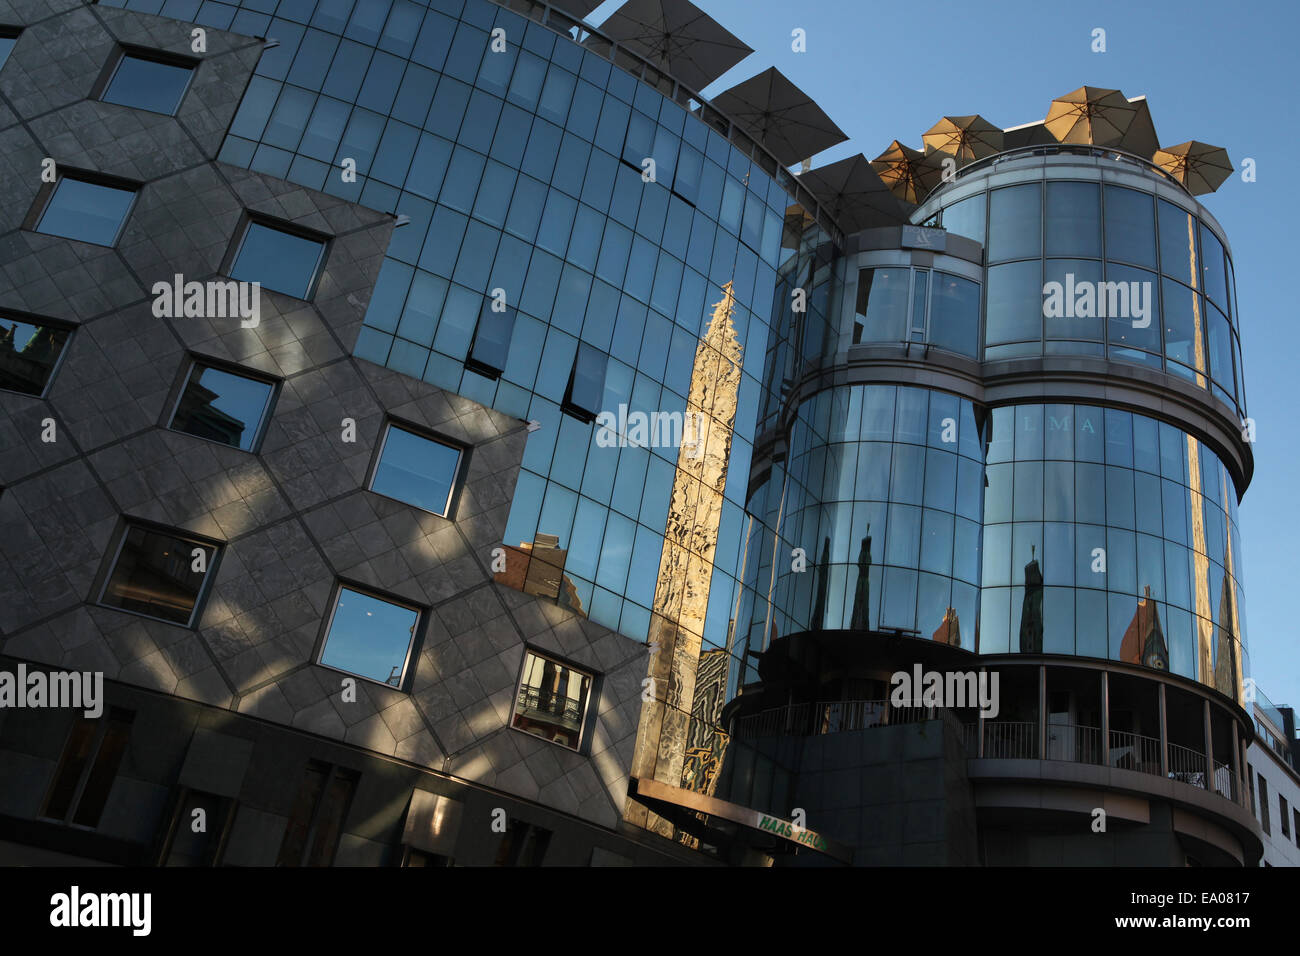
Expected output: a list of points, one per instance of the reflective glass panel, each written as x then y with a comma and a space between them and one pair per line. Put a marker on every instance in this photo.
417, 470
1073, 220
147, 84
369, 637
1015, 222
223, 407
28, 354
155, 575
86, 211
278, 260
955, 314
552, 700
1130, 226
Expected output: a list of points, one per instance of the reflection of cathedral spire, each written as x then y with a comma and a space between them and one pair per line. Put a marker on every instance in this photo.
949, 631
681, 598
1225, 678
1144, 641
823, 572
861, 620
1031, 613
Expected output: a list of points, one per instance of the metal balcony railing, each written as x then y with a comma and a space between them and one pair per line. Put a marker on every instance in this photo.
1134, 752
537, 704
1075, 743
1187, 765
1009, 739
831, 717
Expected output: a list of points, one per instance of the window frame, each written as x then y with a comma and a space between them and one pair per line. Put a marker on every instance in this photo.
239, 371
28, 318
91, 178
105, 578
584, 722
114, 716
457, 478
416, 640
149, 55
245, 227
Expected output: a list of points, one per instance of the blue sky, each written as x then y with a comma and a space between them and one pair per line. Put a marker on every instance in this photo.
1217, 73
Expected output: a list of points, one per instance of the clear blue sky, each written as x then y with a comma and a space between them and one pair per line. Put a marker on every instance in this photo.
1215, 72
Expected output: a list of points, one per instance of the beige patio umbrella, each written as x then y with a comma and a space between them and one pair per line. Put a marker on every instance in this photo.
1140, 137
966, 138
1198, 166
909, 173
1090, 115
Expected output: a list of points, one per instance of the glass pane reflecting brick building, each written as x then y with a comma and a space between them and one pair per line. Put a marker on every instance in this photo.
729, 447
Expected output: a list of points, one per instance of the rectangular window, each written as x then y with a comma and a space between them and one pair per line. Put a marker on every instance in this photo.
319, 812
524, 844
159, 574
586, 390
148, 81
491, 345
87, 769
87, 211
369, 636
1263, 805
1295, 828
184, 846
418, 470
223, 407
280, 260
1283, 816
552, 700
29, 353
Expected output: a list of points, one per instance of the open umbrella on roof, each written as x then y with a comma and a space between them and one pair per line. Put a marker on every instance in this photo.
1140, 137
909, 173
780, 116
577, 8
1198, 166
853, 194
1027, 134
678, 37
1090, 115
966, 138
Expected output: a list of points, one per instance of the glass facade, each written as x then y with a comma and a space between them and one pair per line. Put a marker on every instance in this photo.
1158, 281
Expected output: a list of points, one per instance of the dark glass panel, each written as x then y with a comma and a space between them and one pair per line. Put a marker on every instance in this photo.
1015, 222
955, 314
1130, 226
1015, 303
28, 354
1073, 220
154, 575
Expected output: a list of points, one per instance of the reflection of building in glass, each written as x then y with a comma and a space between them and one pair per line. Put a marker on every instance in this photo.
896, 441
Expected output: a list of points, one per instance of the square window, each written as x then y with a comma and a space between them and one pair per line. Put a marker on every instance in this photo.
283, 261
159, 573
29, 352
417, 470
145, 83
552, 700
88, 211
223, 407
369, 636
